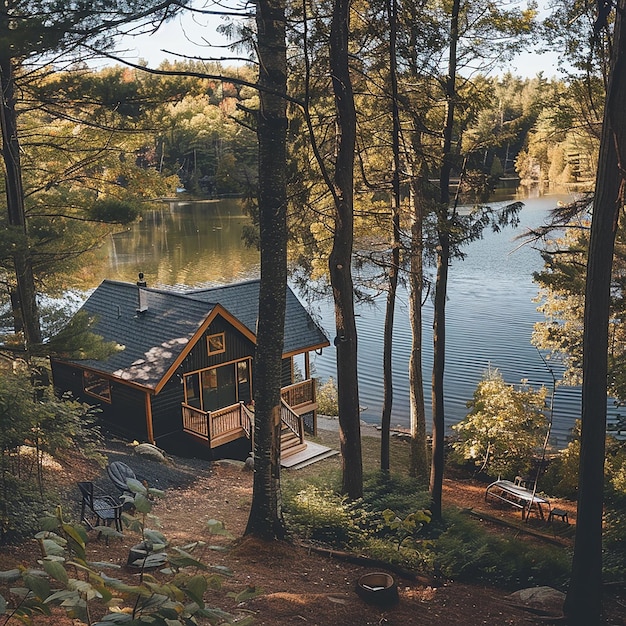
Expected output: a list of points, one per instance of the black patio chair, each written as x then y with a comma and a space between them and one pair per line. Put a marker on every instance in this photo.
119, 473
98, 508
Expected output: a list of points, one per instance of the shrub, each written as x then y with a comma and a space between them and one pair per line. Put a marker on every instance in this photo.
20, 511
561, 477
64, 577
614, 539
384, 524
30, 413
504, 428
327, 398
466, 552
319, 514
402, 494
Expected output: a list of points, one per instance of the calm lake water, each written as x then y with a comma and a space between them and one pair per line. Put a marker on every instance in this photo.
490, 309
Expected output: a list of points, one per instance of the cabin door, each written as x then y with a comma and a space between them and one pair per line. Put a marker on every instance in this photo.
218, 388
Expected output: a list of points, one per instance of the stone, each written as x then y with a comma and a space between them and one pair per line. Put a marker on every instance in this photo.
150, 452
542, 599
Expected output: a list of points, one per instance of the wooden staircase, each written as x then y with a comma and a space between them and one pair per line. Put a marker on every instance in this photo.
291, 433
290, 444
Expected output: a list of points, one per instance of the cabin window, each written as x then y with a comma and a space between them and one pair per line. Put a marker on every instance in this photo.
244, 390
243, 373
192, 390
218, 388
216, 343
97, 386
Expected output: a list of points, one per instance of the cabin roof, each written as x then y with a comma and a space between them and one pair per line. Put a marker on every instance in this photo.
242, 301
154, 339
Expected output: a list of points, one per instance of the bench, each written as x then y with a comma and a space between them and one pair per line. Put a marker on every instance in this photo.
516, 496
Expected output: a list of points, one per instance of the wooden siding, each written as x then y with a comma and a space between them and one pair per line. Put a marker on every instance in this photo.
286, 377
126, 414
166, 411
237, 347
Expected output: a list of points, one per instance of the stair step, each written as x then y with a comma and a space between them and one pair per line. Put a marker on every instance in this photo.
285, 453
292, 443
314, 459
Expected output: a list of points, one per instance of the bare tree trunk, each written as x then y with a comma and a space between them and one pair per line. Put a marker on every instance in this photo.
418, 461
394, 263
583, 604
266, 518
25, 300
441, 286
340, 259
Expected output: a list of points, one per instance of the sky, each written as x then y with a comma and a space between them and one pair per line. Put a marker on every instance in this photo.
189, 34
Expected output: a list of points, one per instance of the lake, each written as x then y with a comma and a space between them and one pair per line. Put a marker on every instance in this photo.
490, 308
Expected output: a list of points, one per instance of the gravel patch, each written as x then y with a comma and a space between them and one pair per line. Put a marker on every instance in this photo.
176, 472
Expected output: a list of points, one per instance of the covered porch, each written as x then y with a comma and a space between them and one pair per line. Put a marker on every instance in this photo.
219, 427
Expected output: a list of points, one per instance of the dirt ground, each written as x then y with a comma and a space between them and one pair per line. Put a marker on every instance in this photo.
295, 585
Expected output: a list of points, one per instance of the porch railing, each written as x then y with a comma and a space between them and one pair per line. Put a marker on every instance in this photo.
219, 424
195, 421
222, 425
292, 421
300, 393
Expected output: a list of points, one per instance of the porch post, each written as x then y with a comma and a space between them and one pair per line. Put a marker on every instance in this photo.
149, 429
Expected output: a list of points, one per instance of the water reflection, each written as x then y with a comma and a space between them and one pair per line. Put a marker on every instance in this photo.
183, 243
490, 311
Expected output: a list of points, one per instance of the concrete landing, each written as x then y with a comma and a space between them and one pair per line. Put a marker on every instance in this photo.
311, 454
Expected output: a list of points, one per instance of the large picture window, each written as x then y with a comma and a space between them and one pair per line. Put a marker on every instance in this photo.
219, 387
97, 386
216, 344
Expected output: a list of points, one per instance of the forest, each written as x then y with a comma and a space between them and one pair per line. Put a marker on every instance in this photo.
355, 132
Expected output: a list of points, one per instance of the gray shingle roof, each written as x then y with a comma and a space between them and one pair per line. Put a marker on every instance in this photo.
242, 301
154, 339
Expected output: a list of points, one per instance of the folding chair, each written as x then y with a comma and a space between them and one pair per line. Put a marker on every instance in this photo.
98, 508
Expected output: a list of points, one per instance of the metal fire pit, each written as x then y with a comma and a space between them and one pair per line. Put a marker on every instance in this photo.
377, 588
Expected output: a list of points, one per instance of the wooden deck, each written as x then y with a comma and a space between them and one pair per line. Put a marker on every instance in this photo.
216, 428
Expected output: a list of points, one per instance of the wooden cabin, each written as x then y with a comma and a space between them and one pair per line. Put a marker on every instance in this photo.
186, 364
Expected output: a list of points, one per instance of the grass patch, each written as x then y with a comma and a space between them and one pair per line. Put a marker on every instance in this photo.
458, 549
464, 551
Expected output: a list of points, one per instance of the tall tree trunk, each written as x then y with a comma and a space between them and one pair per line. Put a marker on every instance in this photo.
441, 285
394, 262
340, 259
266, 518
418, 461
583, 604
27, 313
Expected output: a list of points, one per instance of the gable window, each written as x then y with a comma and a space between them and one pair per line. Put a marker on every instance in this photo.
216, 344
97, 386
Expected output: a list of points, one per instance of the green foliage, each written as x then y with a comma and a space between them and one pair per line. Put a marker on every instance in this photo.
76, 340
467, 552
410, 526
327, 398
562, 298
317, 513
398, 492
561, 477
20, 509
504, 428
614, 537
66, 578
320, 515
34, 425
113, 211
